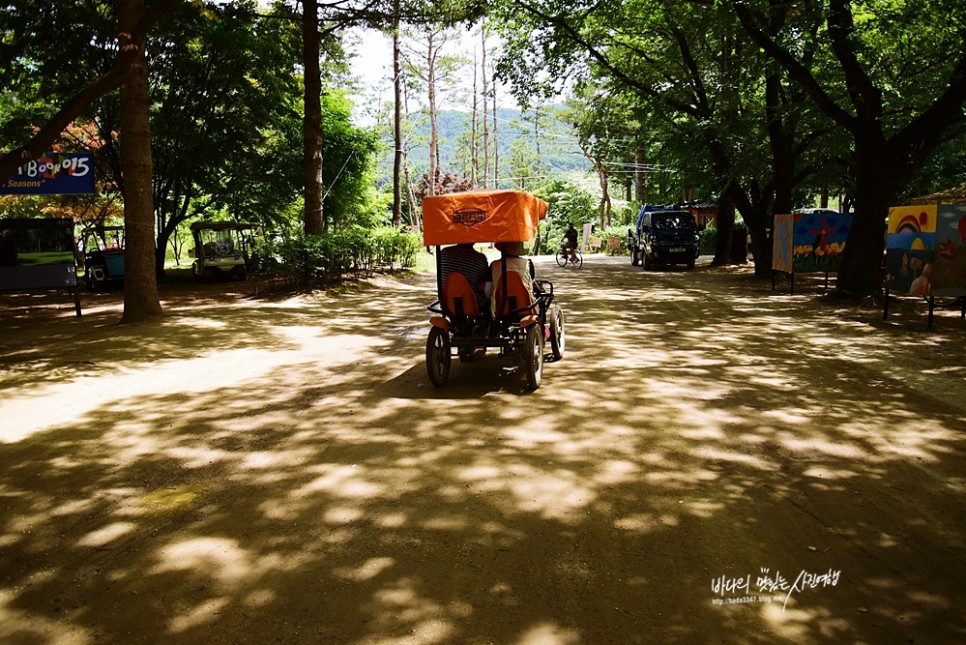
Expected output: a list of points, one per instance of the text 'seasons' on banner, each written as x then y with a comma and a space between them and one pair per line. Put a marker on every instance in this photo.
54, 173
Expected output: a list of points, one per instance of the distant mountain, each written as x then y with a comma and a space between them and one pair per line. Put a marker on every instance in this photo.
553, 139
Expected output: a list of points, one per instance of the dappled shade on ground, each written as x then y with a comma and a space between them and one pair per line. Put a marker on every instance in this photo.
280, 470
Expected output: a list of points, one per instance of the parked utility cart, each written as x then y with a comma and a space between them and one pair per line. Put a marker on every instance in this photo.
103, 256
222, 249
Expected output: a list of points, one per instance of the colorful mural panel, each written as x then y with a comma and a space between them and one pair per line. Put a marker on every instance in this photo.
949, 275
910, 249
818, 240
781, 256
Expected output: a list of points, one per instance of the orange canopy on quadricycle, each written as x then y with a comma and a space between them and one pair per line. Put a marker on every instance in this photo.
481, 216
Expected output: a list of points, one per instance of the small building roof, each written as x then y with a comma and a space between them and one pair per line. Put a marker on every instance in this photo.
949, 196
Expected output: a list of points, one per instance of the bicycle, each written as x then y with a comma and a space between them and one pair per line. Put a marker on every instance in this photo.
567, 256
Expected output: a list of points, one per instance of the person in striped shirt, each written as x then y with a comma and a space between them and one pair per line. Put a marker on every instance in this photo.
463, 258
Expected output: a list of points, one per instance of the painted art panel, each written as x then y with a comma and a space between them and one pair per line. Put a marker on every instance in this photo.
818, 241
949, 274
781, 244
910, 249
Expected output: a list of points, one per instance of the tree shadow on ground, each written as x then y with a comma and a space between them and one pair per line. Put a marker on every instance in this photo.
283, 472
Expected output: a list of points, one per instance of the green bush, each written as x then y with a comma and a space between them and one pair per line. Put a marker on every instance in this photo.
620, 232
309, 261
709, 239
709, 236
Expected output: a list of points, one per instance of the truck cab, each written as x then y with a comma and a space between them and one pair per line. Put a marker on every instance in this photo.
664, 235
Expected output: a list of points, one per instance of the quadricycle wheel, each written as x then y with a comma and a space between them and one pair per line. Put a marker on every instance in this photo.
438, 356
533, 356
557, 337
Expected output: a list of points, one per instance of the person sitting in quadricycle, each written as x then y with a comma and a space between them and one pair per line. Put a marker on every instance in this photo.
523, 313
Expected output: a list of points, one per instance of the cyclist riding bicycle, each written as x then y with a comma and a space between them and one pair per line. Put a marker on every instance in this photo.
570, 241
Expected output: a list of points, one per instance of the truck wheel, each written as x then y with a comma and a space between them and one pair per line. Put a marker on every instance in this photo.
691, 263
635, 259
647, 262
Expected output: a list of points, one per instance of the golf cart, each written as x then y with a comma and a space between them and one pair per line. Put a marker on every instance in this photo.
521, 315
222, 249
103, 256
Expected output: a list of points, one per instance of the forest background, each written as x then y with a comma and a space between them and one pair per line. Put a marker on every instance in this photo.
243, 110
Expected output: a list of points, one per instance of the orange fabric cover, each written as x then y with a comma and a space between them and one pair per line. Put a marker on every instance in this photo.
481, 216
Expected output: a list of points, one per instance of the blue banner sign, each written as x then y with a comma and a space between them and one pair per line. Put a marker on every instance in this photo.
55, 173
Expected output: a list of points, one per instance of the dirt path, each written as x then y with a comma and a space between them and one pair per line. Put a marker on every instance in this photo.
281, 471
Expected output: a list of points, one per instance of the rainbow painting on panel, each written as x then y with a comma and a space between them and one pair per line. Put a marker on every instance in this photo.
910, 249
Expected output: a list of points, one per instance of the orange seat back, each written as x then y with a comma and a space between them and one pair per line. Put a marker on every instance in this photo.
518, 296
459, 300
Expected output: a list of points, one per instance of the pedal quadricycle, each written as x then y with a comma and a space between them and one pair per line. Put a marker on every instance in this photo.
499, 312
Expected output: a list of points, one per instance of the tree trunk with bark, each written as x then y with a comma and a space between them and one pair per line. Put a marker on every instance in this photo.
474, 119
859, 272
141, 301
486, 121
312, 142
433, 130
397, 158
496, 143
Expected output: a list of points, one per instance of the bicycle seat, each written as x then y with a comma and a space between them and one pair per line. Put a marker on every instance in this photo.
459, 301
517, 302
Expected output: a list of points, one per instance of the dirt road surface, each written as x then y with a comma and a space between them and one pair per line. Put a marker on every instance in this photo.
711, 462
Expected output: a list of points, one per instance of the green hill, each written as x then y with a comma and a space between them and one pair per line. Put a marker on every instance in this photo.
551, 148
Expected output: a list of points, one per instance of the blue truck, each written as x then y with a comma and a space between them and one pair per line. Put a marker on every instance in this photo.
664, 235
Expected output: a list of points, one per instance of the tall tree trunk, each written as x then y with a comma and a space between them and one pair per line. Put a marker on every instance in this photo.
474, 148
496, 144
431, 98
397, 158
605, 205
413, 218
141, 301
486, 121
412, 203
536, 130
725, 224
859, 273
312, 141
